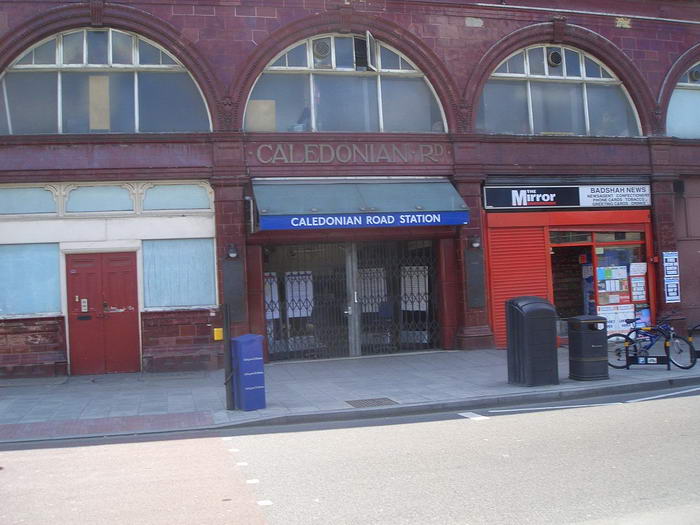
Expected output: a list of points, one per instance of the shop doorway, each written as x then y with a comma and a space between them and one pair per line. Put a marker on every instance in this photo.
103, 313
572, 281
350, 299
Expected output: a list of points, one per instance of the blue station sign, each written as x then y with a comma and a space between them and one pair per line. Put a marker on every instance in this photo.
363, 220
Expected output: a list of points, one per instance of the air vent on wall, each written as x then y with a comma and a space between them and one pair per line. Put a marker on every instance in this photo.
554, 59
322, 48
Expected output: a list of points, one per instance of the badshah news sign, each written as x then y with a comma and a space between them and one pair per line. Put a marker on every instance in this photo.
599, 196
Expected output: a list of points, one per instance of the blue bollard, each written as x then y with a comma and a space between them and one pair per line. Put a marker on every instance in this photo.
248, 372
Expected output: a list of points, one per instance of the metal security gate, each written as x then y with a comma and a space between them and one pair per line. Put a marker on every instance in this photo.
352, 299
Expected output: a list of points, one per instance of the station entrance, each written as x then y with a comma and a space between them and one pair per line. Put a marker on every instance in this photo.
331, 300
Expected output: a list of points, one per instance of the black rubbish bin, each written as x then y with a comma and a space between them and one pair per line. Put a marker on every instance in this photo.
531, 324
588, 348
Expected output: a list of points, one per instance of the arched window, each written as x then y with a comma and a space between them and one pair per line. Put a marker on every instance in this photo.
343, 83
684, 107
555, 90
99, 81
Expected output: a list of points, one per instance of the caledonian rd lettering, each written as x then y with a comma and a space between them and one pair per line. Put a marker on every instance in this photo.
368, 153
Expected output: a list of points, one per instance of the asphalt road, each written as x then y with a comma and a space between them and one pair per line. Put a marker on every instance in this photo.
620, 461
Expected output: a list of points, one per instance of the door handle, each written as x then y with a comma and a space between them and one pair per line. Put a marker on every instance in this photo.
348, 310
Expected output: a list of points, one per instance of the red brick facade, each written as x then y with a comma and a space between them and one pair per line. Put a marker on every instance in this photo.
181, 340
33, 347
226, 44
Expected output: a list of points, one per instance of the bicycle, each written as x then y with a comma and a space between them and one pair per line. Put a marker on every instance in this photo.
649, 342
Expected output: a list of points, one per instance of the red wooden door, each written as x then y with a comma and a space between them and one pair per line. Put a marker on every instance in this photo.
103, 313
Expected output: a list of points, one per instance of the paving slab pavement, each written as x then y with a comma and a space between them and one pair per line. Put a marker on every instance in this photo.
302, 391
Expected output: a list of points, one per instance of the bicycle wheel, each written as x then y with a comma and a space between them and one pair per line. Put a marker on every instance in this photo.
681, 352
617, 350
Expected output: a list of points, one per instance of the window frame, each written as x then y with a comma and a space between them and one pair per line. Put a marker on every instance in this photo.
684, 85
334, 70
145, 276
58, 285
137, 192
582, 79
110, 67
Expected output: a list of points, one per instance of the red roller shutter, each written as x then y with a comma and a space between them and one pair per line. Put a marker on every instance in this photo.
518, 265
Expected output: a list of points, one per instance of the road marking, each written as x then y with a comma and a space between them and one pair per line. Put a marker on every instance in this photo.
663, 395
551, 408
252, 481
472, 415
242, 463
229, 438
233, 450
264, 502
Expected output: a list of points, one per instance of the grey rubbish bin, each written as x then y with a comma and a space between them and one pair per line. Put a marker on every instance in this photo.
531, 324
588, 348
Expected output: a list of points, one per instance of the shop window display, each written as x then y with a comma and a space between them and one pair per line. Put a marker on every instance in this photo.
593, 273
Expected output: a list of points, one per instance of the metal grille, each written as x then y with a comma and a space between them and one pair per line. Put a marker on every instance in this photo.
313, 290
376, 402
395, 287
305, 299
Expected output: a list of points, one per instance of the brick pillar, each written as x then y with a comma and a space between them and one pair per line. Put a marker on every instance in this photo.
663, 213
230, 228
450, 283
663, 219
474, 331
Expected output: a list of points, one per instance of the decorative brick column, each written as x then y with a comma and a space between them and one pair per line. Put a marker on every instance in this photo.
663, 217
663, 214
474, 331
228, 181
230, 228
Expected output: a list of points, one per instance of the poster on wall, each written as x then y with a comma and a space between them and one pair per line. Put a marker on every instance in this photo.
616, 315
672, 290
672, 285
670, 264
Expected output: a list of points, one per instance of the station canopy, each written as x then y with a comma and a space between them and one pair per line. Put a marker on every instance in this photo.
354, 202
